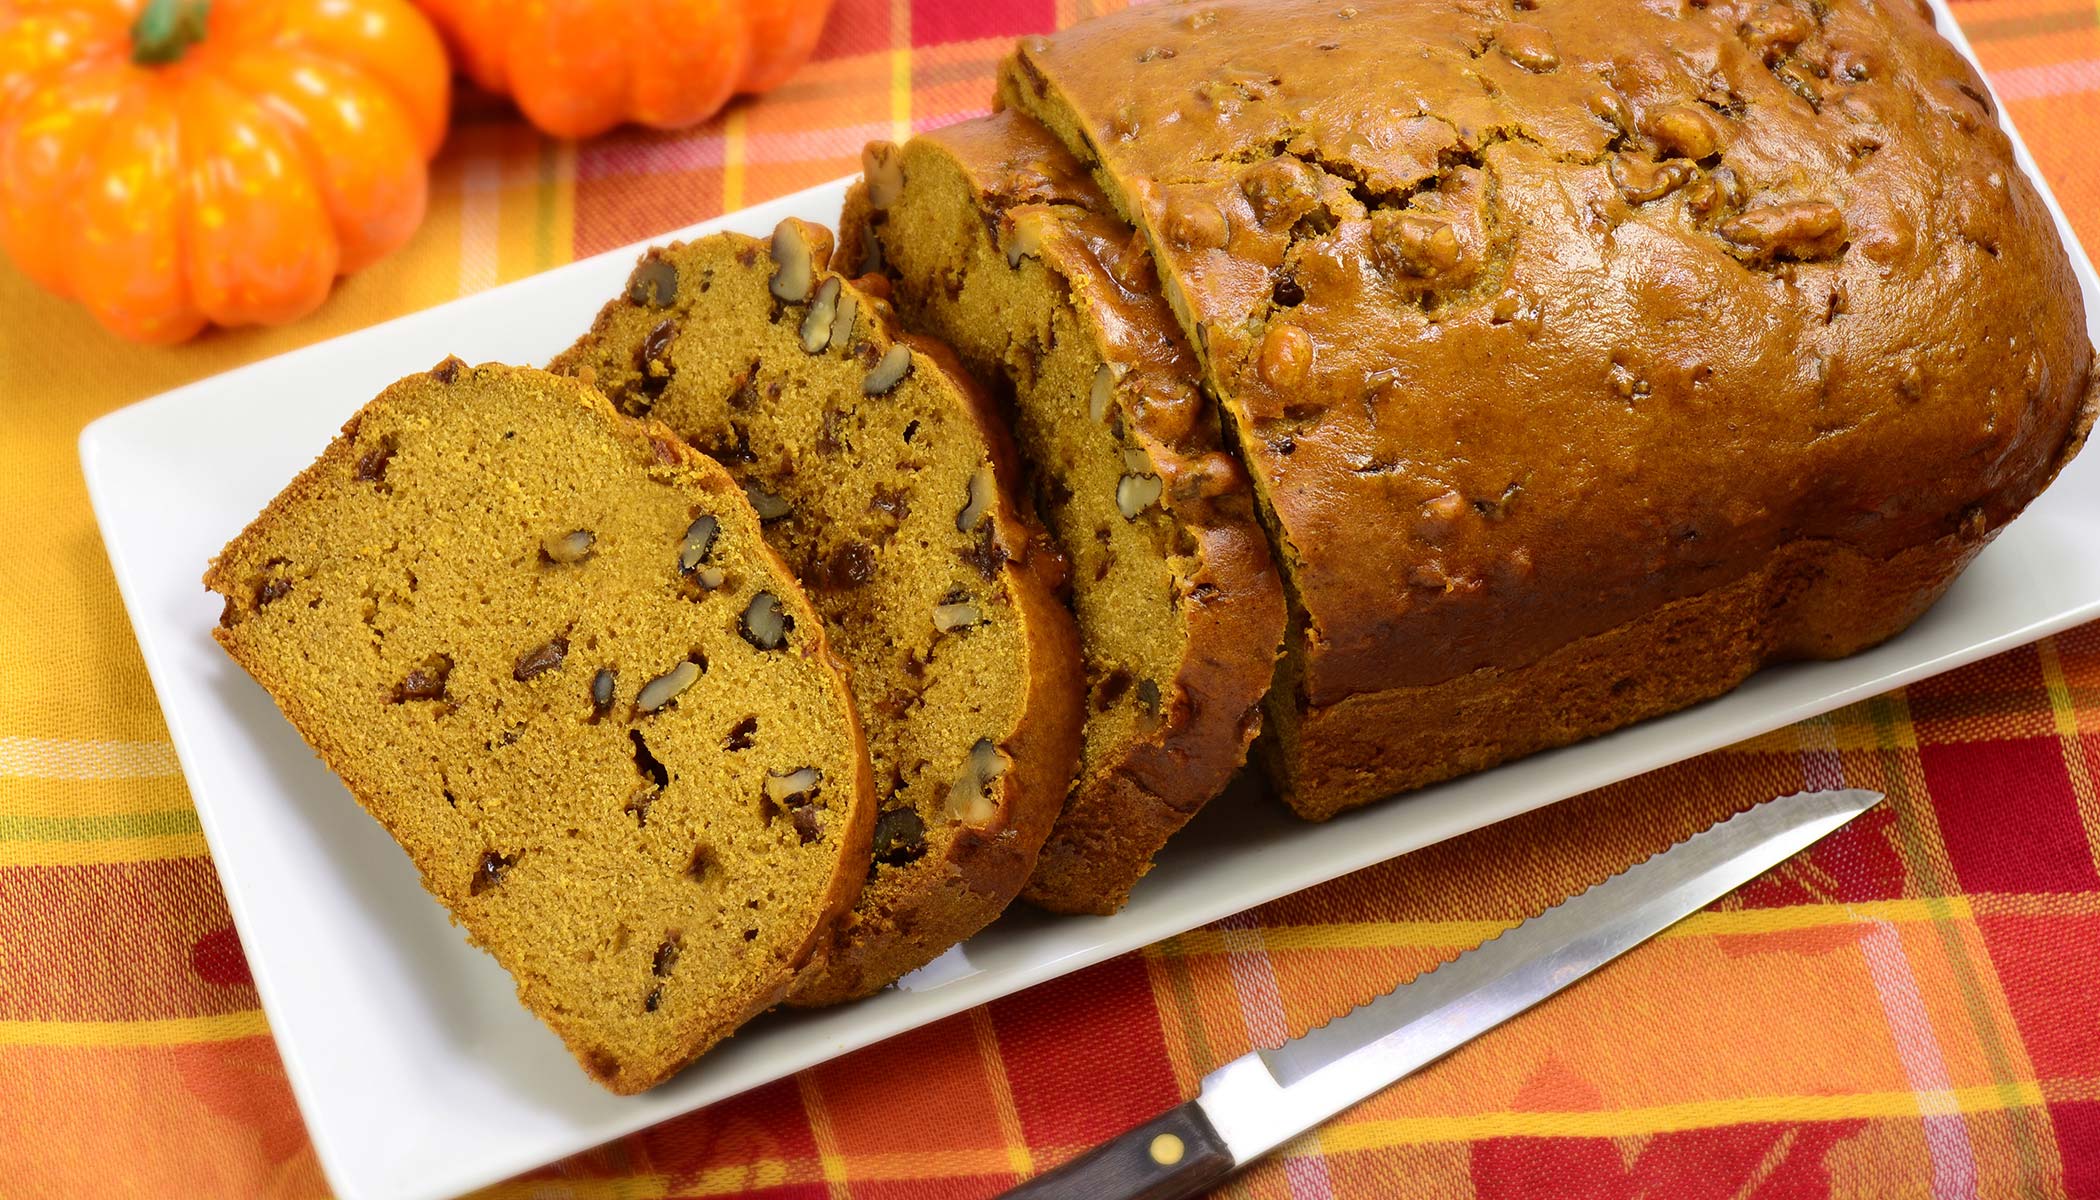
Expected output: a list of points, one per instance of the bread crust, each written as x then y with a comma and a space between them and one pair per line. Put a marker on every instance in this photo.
1033, 201
1811, 600
618, 1068
1570, 332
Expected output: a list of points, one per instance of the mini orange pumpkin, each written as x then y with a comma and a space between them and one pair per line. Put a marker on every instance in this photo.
177, 163
579, 67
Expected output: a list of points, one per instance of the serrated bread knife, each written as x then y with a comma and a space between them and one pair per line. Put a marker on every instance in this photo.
1251, 1105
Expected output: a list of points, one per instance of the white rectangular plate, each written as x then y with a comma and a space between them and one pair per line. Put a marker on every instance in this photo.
419, 1074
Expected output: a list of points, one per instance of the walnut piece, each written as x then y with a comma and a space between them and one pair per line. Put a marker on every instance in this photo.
817, 322
888, 372
977, 501
969, 798
666, 687
794, 263
764, 623
568, 548
1802, 230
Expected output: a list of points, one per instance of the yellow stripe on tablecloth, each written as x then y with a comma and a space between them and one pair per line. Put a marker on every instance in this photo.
735, 149
1971, 978
66, 792
761, 1173
525, 170
1854, 728
1181, 1026
950, 1163
632, 1187
900, 70
2071, 1091
100, 827
823, 1134
1673, 1118
1374, 935
62, 853
738, 1180
555, 242
2065, 711
67, 758
480, 215
2035, 904
1018, 1158
170, 1031
79, 799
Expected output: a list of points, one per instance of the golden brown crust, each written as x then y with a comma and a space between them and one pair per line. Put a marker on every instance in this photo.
1033, 201
389, 785
746, 381
1810, 600
1489, 345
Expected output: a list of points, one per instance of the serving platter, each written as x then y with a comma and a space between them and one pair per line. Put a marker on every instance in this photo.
418, 1073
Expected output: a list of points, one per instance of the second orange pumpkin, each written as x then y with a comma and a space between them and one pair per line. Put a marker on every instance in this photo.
579, 67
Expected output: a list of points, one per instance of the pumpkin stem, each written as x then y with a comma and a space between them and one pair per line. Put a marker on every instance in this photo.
166, 29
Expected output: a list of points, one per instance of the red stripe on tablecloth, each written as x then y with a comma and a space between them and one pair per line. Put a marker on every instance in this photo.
636, 154
1767, 1161
856, 27
2077, 1124
167, 946
2008, 817
1075, 1093
765, 1124
2049, 969
935, 24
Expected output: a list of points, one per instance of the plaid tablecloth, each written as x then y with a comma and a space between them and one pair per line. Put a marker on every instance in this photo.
1912, 1010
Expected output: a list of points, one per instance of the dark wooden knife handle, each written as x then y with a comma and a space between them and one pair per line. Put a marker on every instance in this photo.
1173, 1156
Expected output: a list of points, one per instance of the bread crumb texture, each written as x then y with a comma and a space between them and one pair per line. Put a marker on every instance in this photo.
549, 650
886, 482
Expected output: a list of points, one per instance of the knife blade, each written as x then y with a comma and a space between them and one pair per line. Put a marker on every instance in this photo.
1253, 1104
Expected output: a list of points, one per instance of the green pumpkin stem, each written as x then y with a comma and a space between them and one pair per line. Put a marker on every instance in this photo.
166, 29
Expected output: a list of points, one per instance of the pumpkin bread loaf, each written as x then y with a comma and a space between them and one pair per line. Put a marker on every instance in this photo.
884, 479
1585, 357
997, 242
548, 648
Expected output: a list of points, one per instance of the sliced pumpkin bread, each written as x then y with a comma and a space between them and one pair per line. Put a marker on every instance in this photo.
547, 647
884, 479
996, 240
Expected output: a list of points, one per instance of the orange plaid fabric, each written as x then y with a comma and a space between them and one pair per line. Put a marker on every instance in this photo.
1912, 1009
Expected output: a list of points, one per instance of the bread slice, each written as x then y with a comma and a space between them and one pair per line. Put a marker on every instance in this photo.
548, 649
996, 241
886, 481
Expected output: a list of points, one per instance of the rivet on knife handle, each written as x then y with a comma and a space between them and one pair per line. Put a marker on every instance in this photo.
1175, 1154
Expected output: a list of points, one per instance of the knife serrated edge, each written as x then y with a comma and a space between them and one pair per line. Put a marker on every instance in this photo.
1258, 1101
